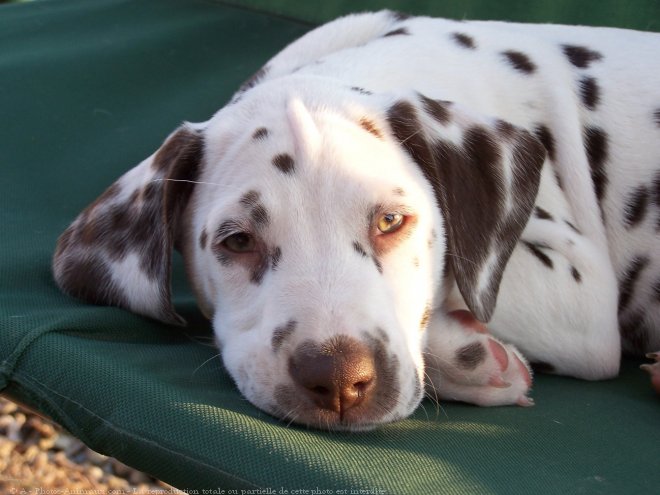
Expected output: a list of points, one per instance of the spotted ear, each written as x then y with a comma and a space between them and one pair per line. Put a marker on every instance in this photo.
485, 174
118, 251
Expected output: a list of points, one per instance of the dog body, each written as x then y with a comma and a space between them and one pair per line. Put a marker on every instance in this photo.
380, 183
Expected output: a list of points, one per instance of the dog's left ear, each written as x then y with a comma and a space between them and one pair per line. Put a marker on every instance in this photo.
118, 251
485, 174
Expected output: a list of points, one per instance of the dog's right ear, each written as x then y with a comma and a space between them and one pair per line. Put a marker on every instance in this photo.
118, 251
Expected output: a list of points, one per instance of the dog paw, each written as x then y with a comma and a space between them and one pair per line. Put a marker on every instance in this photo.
653, 370
465, 363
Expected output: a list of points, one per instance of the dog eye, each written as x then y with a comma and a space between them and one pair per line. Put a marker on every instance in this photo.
390, 222
240, 242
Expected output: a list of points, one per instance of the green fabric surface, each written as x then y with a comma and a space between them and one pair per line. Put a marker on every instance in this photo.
87, 90
636, 14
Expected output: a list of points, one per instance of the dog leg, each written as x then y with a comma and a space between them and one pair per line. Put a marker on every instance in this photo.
558, 301
464, 363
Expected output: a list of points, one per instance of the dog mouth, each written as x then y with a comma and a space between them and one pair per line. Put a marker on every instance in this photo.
343, 383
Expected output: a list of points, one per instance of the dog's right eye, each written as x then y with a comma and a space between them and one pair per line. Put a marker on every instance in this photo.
239, 243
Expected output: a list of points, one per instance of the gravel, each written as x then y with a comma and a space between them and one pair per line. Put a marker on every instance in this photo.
37, 456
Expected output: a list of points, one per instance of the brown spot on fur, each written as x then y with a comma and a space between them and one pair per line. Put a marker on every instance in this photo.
470, 356
437, 109
426, 316
370, 127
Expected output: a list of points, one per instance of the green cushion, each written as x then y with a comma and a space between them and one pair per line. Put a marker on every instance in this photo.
88, 89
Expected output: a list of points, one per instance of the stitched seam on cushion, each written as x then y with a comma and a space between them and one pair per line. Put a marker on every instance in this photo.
262, 11
31, 384
8, 365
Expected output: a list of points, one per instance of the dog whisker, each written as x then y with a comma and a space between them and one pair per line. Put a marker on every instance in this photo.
187, 181
206, 362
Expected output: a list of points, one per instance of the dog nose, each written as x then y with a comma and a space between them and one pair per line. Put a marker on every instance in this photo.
337, 375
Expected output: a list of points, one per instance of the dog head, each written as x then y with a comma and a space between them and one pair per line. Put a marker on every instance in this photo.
316, 225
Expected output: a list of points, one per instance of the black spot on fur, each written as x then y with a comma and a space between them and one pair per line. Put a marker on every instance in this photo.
542, 367
284, 163
398, 32
630, 277
379, 265
360, 90
540, 255
656, 291
542, 214
547, 140
258, 212
261, 133
259, 271
589, 92
470, 356
437, 109
596, 146
519, 61
636, 206
369, 126
254, 80
275, 258
399, 16
573, 227
203, 238
464, 40
280, 334
634, 333
359, 249
576, 274
580, 56
656, 117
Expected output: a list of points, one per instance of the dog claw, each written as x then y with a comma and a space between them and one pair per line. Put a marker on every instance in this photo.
525, 401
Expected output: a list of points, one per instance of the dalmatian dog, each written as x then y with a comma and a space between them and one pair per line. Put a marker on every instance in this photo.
397, 204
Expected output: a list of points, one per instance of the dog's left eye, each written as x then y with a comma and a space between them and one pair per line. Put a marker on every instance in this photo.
390, 222
240, 242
